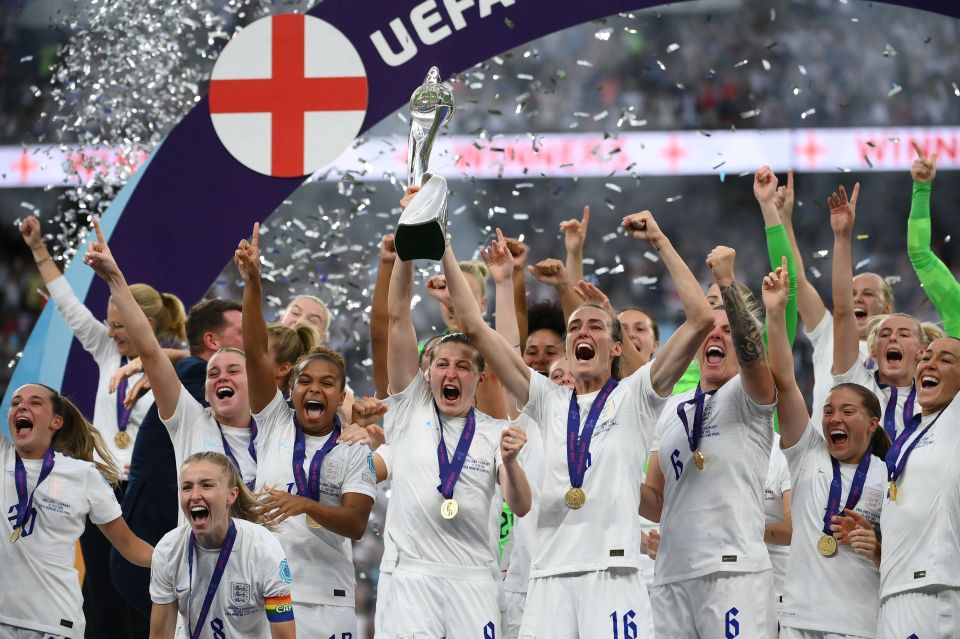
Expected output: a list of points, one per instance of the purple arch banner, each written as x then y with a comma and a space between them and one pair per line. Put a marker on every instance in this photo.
177, 222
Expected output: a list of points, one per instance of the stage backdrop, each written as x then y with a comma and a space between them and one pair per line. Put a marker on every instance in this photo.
177, 221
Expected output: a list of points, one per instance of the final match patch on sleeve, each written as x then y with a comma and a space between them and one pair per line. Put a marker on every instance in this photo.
279, 608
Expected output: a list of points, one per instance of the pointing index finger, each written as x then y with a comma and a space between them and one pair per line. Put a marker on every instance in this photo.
916, 147
255, 238
586, 216
99, 231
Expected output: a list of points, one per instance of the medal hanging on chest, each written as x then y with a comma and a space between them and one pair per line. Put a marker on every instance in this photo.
578, 444
450, 470
896, 463
24, 499
695, 433
308, 485
827, 544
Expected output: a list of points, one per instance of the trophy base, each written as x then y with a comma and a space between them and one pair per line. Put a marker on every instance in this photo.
420, 242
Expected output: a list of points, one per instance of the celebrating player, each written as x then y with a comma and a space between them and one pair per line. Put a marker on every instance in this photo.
226, 575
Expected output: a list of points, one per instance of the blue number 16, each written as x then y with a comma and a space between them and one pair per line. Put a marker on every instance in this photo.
629, 628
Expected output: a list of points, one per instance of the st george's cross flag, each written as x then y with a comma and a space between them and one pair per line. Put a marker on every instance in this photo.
288, 95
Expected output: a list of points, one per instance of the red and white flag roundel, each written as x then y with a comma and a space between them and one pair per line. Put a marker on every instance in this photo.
288, 95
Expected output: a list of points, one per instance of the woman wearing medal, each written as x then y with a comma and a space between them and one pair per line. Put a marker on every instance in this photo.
838, 479
50, 484
223, 573
585, 570
226, 427
706, 477
896, 341
920, 558
316, 495
447, 459
115, 417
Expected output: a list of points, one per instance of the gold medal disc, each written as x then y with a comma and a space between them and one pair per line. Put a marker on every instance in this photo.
312, 523
122, 439
449, 508
15, 535
699, 459
893, 491
575, 498
827, 546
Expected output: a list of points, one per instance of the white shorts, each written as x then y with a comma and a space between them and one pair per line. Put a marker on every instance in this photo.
794, 633
433, 602
339, 622
513, 615
927, 614
383, 595
576, 606
731, 605
13, 632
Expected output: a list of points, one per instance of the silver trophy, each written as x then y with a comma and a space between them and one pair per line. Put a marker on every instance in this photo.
422, 227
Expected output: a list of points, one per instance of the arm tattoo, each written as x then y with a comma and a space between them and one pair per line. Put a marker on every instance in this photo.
745, 329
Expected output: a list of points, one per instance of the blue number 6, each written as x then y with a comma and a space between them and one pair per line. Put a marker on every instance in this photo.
677, 464
733, 626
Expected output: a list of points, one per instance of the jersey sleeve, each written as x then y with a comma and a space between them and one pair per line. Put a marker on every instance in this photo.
537, 399
104, 507
798, 454
658, 432
938, 282
269, 419
185, 415
162, 575
857, 374
275, 579
821, 338
649, 405
360, 476
89, 331
385, 452
404, 404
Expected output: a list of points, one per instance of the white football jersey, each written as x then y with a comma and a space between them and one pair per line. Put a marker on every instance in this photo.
605, 532
256, 575
821, 337
413, 522
778, 482
524, 532
388, 561
41, 562
727, 493
921, 547
326, 558
193, 429
92, 335
858, 374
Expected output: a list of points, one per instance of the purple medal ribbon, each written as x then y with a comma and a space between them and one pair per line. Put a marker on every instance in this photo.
25, 502
250, 449
310, 486
836, 487
222, 559
450, 472
123, 413
578, 448
699, 400
890, 413
895, 469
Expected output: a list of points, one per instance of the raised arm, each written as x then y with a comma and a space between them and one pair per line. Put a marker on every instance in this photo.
744, 328
132, 548
499, 261
938, 282
553, 273
809, 304
157, 366
498, 352
791, 407
674, 356
574, 237
402, 365
846, 335
771, 200
33, 237
519, 251
379, 317
260, 378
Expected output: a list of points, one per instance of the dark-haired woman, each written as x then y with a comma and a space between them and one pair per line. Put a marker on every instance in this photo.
50, 484
838, 478
318, 494
226, 575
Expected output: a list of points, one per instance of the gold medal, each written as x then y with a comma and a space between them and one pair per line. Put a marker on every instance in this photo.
449, 508
893, 491
699, 459
15, 535
312, 523
122, 439
575, 498
827, 546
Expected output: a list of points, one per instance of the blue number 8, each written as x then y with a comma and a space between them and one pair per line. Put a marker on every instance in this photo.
733, 626
677, 464
217, 626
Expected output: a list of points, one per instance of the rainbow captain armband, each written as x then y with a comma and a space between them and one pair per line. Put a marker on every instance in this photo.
279, 608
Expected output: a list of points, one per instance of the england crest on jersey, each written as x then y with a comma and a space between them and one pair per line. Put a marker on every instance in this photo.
239, 593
